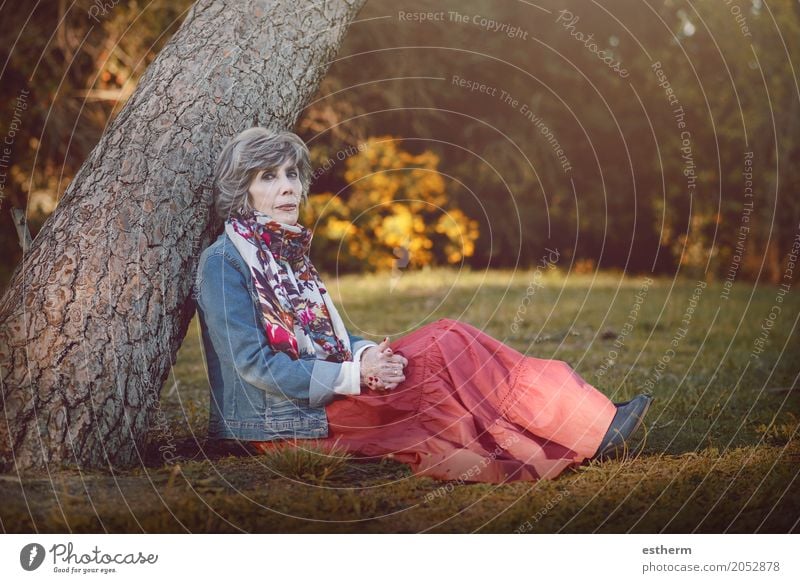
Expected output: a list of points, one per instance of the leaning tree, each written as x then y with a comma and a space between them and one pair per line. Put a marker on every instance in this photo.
94, 314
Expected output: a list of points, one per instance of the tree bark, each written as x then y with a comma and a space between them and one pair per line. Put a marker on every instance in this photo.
96, 311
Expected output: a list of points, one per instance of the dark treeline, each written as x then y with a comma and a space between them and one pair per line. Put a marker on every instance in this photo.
642, 136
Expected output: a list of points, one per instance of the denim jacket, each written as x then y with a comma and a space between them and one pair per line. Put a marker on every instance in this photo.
257, 394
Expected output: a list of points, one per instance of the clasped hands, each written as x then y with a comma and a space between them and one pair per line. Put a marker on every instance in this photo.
381, 369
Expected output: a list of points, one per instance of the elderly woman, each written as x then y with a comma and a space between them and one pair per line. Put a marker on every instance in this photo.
446, 399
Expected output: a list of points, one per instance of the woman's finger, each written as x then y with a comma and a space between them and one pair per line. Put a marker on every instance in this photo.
393, 379
393, 368
397, 359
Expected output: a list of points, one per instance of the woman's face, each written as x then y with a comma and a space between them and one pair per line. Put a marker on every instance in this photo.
277, 192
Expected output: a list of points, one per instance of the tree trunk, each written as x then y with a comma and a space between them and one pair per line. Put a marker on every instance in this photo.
96, 311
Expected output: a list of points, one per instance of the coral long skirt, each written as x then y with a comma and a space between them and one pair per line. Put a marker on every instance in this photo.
473, 409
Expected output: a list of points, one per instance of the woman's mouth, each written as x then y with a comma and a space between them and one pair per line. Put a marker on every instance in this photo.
287, 207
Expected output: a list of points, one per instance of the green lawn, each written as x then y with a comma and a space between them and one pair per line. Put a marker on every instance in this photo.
720, 455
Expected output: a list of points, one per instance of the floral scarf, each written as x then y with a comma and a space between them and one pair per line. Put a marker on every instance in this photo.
298, 315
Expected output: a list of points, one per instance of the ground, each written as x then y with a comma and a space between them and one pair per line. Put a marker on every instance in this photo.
720, 452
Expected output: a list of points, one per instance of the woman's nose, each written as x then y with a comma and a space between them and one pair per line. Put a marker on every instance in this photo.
286, 186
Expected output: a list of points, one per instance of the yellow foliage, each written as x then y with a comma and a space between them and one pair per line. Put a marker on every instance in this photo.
396, 210
584, 266
695, 247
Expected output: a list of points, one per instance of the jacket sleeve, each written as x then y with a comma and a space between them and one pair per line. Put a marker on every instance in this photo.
235, 328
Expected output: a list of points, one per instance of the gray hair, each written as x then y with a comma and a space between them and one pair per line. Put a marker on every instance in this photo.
245, 155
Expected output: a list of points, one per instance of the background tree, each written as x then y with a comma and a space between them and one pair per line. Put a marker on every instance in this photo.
624, 202
94, 315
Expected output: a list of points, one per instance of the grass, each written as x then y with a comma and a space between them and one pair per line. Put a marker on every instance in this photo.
721, 451
304, 461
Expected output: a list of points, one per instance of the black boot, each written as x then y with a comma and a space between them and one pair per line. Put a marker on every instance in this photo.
625, 423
